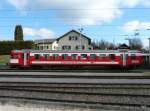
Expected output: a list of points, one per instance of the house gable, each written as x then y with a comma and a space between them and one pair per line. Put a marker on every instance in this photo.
74, 31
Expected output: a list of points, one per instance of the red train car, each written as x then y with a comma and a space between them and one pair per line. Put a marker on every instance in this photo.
94, 58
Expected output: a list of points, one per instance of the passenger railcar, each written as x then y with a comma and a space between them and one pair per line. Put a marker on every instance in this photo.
94, 58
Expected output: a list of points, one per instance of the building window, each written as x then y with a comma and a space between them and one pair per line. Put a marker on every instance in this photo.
77, 47
66, 47
83, 47
46, 47
41, 47
73, 38
38, 47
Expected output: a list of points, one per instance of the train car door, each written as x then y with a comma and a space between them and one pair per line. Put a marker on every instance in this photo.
25, 59
124, 57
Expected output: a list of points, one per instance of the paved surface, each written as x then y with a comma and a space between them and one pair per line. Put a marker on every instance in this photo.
72, 73
76, 80
68, 79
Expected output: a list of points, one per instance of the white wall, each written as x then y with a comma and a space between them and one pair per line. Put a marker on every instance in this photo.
73, 43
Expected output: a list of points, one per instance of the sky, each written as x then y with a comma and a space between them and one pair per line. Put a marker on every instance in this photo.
110, 20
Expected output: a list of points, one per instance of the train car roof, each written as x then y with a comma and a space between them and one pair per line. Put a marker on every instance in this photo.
75, 51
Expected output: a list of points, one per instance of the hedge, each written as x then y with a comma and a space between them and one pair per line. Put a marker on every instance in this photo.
7, 46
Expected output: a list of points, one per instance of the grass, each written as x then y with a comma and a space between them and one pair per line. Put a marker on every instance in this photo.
4, 59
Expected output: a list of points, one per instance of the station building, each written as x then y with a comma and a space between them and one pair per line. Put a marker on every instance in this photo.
72, 40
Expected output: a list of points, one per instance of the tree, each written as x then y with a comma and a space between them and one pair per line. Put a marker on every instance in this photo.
136, 44
18, 35
102, 45
7, 46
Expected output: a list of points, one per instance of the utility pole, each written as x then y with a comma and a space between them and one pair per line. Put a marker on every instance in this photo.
149, 51
129, 41
80, 38
43, 44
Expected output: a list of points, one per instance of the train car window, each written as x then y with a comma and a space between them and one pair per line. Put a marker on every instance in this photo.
14, 56
55, 56
92, 56
126, 56
102, 56
37, 56
133, 56
74, 56
83, 56
22, 56
112, 56
64, 56
46, 56
11, 56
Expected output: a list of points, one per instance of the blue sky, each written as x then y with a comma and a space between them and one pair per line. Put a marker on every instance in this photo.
111, 20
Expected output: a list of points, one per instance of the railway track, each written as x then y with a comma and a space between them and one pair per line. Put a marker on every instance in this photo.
79, 71
73, 76
103, 70
81, 96
83, 90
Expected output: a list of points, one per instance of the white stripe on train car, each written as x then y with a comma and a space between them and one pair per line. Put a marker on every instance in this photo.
106, 63
50, 62
45, 62
14, 61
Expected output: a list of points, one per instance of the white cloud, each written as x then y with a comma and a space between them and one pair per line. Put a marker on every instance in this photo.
131, 26
130, 3
145, 42
38, 33
108, 9
19, 4
136, 25
81, 17
133, 3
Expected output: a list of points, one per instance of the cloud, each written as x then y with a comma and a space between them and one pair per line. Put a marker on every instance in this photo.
130, 3
136, 25
145, 42
19, 4
106, 10
133, 3
38, 33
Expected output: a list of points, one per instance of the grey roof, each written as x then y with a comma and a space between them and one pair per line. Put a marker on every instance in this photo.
44, 40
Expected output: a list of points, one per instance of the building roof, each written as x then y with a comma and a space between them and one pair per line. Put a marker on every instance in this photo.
123, 46
44, 41
82, 35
